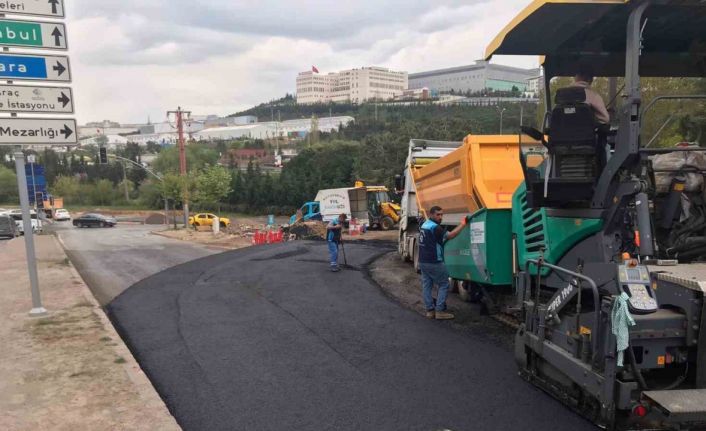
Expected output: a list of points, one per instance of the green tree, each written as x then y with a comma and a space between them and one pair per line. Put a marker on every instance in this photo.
173, 185
197, 156
213, 184
8, 186
67, 187
102, 193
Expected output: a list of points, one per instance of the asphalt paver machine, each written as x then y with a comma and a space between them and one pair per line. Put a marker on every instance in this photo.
609, 267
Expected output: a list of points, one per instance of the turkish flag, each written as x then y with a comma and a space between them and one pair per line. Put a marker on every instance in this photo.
314, 69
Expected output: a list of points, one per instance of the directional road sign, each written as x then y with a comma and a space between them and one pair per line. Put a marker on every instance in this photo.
27, 34
39, 100
52, 8
41, 131
35, 67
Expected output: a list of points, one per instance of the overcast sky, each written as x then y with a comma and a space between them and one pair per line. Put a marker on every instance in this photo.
137, 58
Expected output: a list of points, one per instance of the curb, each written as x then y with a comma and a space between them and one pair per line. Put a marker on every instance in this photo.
137, 376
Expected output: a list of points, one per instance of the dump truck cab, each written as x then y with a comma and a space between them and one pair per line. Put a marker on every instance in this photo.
613, 321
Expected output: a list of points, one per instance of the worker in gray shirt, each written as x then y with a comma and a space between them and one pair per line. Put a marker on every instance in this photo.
584, 79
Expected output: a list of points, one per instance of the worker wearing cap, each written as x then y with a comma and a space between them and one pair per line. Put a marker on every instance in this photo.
584, 79
431, 262
333, 236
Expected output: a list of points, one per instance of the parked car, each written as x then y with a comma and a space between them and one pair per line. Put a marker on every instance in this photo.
8, 228
61, 215
98, 220
206, 219
37, 225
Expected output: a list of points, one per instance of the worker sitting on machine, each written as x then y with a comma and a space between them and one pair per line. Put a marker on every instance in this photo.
584, 79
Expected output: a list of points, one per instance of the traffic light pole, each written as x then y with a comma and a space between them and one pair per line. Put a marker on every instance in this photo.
37, 308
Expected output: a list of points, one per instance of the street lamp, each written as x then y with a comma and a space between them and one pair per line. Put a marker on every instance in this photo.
501, 118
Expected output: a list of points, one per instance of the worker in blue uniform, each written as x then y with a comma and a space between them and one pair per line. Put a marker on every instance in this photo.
333, 237
431, 262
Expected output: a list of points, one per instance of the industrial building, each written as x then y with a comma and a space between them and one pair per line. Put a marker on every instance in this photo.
474, 78
273, 129
354, 85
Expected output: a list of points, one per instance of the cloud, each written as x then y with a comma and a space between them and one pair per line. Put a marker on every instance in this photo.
134, 58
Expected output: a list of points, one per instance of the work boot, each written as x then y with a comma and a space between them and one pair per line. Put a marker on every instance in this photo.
443, 315
430, 314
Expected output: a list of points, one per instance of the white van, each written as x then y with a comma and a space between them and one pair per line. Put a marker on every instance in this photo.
36, 222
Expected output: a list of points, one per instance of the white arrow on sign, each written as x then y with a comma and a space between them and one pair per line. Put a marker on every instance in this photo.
52, 8
34, 99
38, 131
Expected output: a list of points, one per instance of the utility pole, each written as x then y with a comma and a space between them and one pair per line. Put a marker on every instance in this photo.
127, 193
180, 114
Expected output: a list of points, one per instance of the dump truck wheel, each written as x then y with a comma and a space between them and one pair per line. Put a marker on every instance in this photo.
415, 259
464, 291
453, 285
387, 223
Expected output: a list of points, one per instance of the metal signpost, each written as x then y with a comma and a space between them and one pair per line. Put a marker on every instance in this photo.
35, 99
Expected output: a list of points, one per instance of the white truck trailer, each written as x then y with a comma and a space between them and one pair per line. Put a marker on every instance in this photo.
421, 152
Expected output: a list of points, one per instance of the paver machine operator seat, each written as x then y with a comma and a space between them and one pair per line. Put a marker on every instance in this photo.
576, 154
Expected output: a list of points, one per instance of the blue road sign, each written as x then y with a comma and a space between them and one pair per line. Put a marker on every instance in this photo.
35, 67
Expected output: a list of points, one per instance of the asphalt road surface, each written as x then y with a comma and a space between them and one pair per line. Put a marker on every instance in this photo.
266, 338
112, 259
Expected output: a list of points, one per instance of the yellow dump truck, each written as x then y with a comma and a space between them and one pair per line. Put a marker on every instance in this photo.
478, 178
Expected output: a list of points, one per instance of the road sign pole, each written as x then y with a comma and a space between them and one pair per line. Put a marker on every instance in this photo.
37, 308
34, 187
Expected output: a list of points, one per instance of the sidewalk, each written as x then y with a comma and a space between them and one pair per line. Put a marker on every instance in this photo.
69, 370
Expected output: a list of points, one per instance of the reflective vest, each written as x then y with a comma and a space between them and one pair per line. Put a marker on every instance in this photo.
431, 243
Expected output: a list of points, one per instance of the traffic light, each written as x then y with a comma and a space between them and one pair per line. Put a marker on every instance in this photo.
39, 198
103, 152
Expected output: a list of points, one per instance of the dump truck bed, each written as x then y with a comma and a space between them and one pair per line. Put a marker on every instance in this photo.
483, 173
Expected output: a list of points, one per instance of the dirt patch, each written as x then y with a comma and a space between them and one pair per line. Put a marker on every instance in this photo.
67, 370
399, 281
222, 240
156, 218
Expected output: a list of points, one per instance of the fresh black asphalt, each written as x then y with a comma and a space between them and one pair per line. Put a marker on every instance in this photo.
266, 338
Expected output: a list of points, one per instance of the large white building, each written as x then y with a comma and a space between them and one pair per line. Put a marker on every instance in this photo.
272, 129
473, 78
354, 85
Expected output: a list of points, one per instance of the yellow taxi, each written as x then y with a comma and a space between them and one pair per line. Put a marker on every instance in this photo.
206, 219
